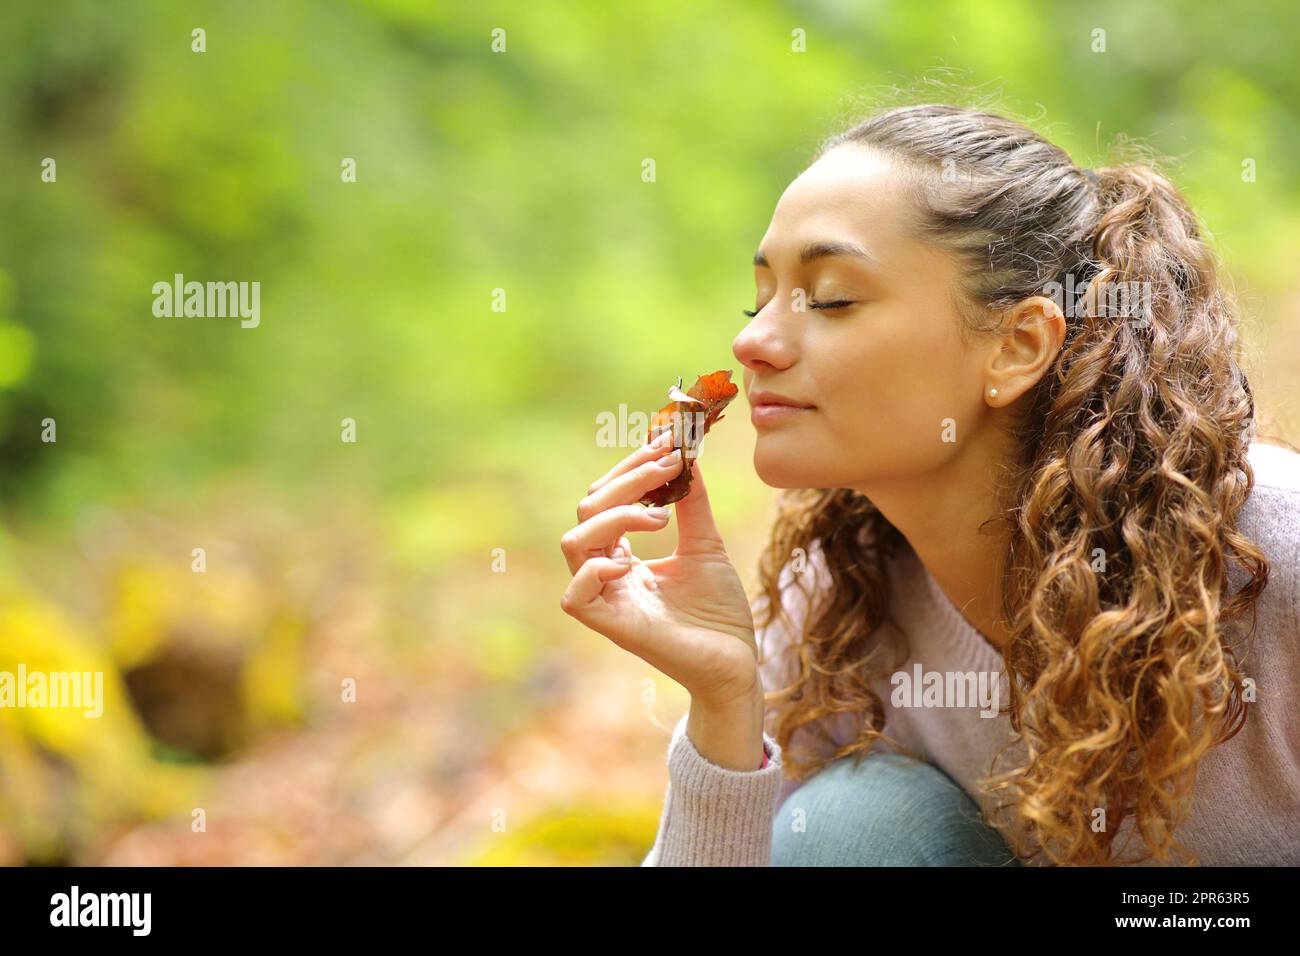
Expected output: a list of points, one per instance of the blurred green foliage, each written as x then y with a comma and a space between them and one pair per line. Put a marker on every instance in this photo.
476, 171
517, 170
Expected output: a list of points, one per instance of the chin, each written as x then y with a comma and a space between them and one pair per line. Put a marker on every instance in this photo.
779, 465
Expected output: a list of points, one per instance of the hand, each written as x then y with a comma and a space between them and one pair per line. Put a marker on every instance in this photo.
686, 615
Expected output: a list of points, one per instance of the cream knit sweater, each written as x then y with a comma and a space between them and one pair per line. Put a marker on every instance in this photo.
1246, 808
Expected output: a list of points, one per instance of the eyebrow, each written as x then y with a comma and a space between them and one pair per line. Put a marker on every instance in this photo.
822, 249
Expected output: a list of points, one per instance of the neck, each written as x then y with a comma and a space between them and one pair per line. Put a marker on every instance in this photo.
940, 513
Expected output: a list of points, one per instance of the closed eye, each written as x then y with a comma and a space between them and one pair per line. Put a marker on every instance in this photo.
838, 304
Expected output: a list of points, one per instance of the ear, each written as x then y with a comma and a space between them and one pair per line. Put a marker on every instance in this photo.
1022, 354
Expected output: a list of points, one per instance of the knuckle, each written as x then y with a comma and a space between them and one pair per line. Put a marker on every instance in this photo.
665, 466
569, 541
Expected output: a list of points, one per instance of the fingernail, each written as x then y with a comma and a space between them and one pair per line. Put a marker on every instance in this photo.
657, 512
668, 461
662, 439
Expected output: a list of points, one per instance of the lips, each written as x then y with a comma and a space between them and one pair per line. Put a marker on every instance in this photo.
768, 409
757, 399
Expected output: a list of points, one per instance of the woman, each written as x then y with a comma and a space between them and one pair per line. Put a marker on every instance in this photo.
1034, 567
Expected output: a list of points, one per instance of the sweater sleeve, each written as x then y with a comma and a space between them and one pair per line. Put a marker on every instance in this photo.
713, 816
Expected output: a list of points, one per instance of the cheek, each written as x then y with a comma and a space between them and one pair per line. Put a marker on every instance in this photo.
891, 403
872, 387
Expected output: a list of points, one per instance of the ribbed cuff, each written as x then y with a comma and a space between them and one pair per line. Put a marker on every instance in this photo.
714, 816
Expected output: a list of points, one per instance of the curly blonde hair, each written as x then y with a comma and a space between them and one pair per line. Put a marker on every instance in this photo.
1133, 446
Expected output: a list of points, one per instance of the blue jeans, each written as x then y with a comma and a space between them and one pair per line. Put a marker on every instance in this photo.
887, 810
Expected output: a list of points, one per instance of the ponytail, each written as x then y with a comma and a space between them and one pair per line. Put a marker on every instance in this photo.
1146, 238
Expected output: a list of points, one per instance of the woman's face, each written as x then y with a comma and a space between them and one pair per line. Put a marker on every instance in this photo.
885, 372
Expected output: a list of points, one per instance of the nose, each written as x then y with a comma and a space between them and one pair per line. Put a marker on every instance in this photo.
765, 343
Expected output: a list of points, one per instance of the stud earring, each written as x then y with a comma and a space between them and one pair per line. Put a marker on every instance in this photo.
993, 393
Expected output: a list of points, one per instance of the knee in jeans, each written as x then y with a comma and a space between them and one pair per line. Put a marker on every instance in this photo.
884, 810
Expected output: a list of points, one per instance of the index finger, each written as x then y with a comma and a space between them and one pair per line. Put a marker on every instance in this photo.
647, 452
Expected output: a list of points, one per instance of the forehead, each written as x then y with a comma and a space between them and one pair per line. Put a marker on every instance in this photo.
851, 192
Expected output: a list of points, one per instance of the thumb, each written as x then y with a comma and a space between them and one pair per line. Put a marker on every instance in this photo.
696, 528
